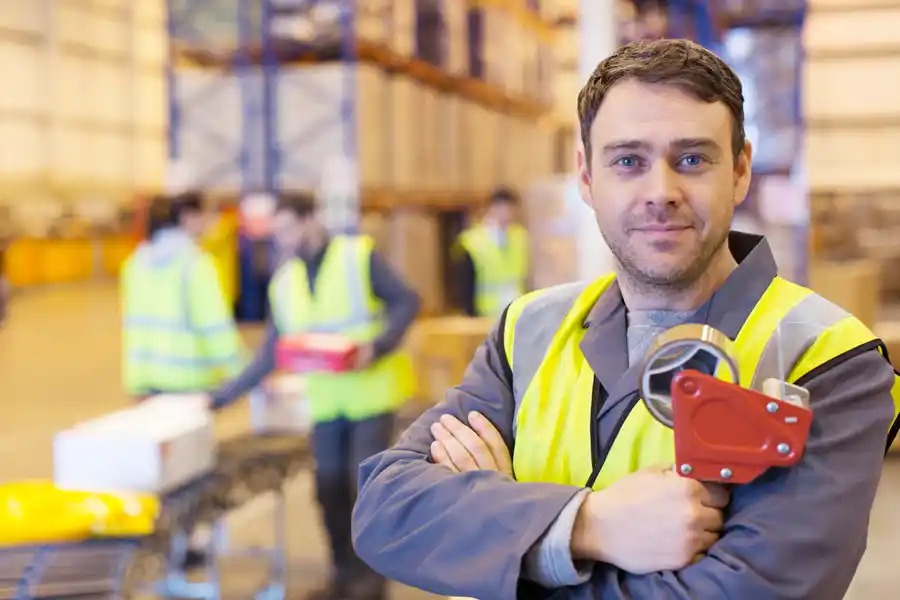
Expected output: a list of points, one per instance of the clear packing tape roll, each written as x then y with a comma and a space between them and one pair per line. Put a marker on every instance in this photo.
37, 512
685, 347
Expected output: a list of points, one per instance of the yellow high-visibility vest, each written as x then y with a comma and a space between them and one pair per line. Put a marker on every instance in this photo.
500, 273
553, 382
178, 330
343, 303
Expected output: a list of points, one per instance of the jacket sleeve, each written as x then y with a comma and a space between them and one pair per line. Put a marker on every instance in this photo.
799, 532
401, 304
263, 364
454, 534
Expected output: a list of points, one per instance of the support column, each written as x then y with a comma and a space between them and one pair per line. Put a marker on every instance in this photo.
597, 24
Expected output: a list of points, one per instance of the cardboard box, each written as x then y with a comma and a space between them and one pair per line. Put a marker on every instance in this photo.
315, 352
442, 349
153, 447
415, 251
854, 285
281, 406
405, 114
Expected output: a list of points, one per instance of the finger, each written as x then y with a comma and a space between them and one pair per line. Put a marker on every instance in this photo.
440, 456
455, 450
493, 440
471, 442
704, 541
709, 519
717, 496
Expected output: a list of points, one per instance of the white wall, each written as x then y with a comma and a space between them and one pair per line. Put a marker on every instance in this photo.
83, 109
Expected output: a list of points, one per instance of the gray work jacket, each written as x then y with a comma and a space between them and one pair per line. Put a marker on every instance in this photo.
795, 533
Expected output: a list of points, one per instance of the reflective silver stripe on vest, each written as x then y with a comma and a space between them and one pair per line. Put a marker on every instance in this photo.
796, 333
541, 319
535, 329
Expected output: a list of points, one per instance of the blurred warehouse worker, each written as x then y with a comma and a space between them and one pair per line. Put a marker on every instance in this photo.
492, 259
179, 331
594, 510
339, 285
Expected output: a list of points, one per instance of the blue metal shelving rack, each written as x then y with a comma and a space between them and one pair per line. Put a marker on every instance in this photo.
245, 29
263, 153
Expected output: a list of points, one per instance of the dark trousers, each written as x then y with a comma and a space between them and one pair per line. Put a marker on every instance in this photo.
338, 447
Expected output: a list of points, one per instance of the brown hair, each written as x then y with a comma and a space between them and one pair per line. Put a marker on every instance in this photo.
680, 63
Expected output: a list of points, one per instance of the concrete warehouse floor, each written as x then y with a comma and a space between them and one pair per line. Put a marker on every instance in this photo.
59, 364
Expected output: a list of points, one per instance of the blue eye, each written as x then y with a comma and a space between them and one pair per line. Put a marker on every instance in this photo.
628, 162
692, 160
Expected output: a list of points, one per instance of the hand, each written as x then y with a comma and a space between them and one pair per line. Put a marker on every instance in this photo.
365, 354
477, 446
652, 520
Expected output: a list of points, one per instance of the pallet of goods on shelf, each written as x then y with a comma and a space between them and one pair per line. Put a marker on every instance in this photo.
410, 240
442, 348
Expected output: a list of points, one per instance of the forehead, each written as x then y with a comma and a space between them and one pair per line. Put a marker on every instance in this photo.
657, 113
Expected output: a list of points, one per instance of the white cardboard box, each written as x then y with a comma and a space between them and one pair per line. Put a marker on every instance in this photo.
282, 408
152, 447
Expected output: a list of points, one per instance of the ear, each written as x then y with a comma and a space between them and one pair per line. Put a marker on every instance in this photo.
742, 173
584, 175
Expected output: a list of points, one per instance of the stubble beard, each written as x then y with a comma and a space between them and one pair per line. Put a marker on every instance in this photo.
651, 282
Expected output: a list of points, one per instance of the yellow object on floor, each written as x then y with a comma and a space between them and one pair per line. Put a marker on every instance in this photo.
33, 512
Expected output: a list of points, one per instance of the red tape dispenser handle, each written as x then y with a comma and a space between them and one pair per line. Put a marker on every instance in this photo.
729, 434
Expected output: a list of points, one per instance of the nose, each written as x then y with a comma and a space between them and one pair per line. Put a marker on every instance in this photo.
662, 185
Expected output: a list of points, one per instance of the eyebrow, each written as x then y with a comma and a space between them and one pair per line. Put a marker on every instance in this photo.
678, 144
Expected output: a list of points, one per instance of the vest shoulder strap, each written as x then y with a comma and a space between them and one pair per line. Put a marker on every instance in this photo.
813, 332
533, 321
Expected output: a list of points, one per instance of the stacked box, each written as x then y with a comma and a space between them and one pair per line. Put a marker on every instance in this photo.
405, 139
449, 155
510, 157
442, 349
373, 20
485, 146
546, 71
414, 250
499, 50
456, 22
403, 27
318, 23
312, 133
531, 82
430, 140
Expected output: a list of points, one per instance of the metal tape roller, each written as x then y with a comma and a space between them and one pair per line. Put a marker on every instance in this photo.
684, 347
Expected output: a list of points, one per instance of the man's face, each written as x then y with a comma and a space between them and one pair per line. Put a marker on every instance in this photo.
196, 223
662, 180
501, 214
288, 231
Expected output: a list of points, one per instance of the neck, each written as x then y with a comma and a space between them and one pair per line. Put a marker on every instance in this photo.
642, 296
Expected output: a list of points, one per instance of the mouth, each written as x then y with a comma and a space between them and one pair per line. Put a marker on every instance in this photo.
668, 228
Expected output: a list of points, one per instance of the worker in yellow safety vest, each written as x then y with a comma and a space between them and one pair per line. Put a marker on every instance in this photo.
338, 284
179, 333
544, 475
492, 258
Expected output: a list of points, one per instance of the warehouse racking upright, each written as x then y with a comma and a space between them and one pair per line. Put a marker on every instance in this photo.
763, 40
350, 95
236, 61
